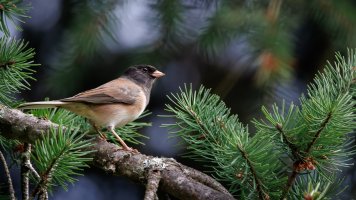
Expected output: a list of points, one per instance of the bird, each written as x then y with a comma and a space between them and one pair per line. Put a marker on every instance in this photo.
112, 104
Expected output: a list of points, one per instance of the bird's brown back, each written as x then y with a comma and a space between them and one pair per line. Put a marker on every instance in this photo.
120, 90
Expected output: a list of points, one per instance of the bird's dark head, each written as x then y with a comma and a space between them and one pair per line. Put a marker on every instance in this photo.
143, 74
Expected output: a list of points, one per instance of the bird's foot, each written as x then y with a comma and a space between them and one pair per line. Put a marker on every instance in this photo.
123, 144
129, 149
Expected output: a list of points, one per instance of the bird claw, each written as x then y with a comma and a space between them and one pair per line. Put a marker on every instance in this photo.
130, 149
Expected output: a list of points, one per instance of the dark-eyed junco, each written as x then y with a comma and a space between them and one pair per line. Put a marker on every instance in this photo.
112, 104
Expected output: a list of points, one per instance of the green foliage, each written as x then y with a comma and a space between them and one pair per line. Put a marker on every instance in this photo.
320, 127
247, 162
315, 186
316, 134
16, 64
62, 154
61, 116
313, 136
7, 146
228, 22
59, 156
85, 35
3, 142
11, 11
171, 23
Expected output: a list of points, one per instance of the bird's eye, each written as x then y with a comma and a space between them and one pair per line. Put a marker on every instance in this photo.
145, 69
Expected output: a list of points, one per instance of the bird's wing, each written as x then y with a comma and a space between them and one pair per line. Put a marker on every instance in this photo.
116, 91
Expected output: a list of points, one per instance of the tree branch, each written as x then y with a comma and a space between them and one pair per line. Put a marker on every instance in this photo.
25, 171
317, 134
175, 180
7, 173
294, 149
153, 178
259, 186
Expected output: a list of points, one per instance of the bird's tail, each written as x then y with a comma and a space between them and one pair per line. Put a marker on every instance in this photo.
41, 104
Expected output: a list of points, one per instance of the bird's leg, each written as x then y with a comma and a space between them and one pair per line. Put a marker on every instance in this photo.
101, 134
98, 130
123, 144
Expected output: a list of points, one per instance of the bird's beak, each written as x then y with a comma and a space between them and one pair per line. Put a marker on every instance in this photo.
157, 74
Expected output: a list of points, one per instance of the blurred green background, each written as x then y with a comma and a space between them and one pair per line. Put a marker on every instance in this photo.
250, 52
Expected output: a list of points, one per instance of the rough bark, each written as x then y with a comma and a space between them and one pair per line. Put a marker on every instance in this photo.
153, 179
25, 171
177, 180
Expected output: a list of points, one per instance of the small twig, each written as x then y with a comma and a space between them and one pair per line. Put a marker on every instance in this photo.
28, 164
261, 193
292, 147
41, 187
46, 177
290, 182
43, 195
34, 172
154, 176
25, 171
7, 173
198, 121
294, 174
317, 134
296, 155
259, 186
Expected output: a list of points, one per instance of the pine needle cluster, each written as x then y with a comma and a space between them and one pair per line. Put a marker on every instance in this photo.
59, 157
295, 148
11, 12
16, 60
16, 68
